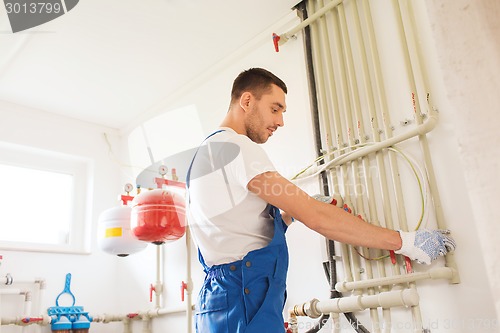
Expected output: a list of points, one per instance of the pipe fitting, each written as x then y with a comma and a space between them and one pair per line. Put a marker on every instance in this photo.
28, 296
292, 322
8, 279
307, 309
310, 309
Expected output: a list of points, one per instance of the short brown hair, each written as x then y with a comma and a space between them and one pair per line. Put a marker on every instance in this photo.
257, 81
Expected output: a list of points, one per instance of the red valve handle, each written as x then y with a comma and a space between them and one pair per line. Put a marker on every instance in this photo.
28, 320
393, 257
276, 39
409, 269
126, 198
151, 289
183, 288
347, 208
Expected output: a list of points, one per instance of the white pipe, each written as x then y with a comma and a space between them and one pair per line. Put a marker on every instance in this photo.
40, 290
292, 321
11, 291
146, 325
320, 12
336, 322
158, 285
41, 320
104, 318
414, 56
372, 91
8, 280
189, 283
379, 162
354, 263
107, 318
27, 308
390, 299
434, 274
350, 83
127, 327
364, 151
372, 216
323, 113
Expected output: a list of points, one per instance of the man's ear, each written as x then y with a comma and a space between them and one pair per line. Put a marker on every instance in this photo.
245, 100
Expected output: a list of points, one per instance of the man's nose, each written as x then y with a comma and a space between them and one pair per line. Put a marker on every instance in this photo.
280, 121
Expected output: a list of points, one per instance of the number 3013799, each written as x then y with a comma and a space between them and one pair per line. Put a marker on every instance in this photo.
33, 8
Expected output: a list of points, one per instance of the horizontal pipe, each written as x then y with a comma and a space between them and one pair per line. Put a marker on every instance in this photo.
24, 321
433, 274
376, 146
107, 318
11, 291
419, 130
390, 299
320, 12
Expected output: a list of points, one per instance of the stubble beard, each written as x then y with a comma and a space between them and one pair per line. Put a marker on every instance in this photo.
255, 127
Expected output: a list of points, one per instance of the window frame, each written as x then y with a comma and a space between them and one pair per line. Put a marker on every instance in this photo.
80, 169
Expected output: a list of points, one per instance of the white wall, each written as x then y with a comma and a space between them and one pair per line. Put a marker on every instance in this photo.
467, 35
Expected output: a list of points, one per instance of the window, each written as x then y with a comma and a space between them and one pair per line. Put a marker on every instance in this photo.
43, 204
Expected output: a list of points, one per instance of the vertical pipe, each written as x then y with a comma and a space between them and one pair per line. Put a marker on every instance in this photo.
27, 308
376, 133
336, 322
158, 284
368, 89
379, 87
323, 107
336, 125
41, 294
344, 129
189, 289
413, 56
146, 324
127, 325
350, 84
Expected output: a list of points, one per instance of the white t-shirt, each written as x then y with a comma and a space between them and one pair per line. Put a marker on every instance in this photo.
227, 220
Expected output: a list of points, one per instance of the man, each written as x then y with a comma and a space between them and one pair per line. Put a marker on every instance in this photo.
235, 202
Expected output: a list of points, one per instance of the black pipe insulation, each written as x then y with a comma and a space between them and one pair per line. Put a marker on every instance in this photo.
311, 79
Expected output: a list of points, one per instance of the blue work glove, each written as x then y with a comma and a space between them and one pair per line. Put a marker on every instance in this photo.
424, 245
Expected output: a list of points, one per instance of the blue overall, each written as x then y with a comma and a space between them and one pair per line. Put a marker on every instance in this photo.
247, 295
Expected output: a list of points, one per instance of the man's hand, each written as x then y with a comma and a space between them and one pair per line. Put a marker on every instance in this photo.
424, 245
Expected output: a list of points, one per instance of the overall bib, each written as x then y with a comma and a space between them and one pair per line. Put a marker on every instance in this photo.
247, 295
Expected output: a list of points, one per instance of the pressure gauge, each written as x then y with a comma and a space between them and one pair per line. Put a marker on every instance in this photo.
128, 187
163, 170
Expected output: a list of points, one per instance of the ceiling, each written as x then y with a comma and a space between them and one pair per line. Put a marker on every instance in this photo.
108, 61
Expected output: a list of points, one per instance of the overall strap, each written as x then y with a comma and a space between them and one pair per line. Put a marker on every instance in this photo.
188, 176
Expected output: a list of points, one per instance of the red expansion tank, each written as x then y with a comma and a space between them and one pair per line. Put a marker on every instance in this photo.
159, 215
